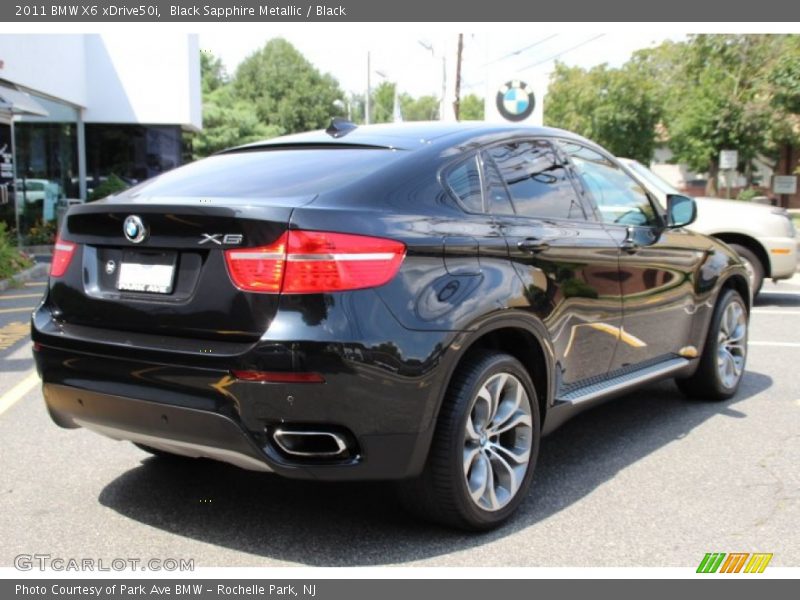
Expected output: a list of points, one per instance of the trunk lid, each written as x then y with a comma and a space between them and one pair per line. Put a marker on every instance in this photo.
174, 280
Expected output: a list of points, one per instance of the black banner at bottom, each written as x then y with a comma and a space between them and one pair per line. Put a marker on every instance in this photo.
386, 589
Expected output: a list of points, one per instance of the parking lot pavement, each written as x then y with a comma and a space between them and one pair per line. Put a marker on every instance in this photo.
16, 362
650, 479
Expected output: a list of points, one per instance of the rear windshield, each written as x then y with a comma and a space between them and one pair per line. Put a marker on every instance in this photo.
271, 173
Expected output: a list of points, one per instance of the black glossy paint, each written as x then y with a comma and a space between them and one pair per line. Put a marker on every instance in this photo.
580, 303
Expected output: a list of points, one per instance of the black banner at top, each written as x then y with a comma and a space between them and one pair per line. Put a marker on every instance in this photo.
241, 11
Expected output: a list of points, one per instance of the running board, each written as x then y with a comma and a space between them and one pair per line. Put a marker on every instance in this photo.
623, 382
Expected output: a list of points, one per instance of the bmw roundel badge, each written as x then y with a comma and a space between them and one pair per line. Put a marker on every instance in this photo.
134, 229
515, 101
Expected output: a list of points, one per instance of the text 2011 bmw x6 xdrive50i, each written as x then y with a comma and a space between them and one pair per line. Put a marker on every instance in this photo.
401, 302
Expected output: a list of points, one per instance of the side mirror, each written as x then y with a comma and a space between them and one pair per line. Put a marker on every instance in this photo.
681, 210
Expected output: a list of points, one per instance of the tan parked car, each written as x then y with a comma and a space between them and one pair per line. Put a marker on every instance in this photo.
763, 236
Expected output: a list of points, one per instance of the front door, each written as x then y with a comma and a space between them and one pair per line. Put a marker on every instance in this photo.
656, 265
567, 262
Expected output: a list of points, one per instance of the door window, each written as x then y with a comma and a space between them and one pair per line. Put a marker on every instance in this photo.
619, 198
537, 179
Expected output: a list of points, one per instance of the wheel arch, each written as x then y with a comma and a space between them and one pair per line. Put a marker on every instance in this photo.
751, 244
523, 338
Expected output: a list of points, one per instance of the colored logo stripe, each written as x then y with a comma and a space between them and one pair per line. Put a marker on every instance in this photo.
713, 562
758, 563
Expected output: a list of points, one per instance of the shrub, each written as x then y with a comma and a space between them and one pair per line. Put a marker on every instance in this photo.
41, 233
112, 185
12, 261
747, 194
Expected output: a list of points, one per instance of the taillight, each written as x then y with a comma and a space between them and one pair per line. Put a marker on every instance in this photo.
62, 256
313, 262
258, 269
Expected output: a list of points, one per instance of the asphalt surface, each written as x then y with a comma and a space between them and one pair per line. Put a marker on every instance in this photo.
650, 479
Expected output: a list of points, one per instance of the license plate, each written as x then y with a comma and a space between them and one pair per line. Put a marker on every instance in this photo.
140, 277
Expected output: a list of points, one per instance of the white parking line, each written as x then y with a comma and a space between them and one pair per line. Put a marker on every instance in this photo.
768, 311
8, 399
776, 344
780, 292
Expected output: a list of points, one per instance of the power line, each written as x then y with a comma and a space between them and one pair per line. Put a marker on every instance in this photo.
557, 54
520, 51
536, 64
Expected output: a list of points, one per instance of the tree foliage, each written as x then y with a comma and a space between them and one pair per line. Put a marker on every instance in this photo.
228, 121
424, 108
703, 95
471, 108
718, 100
285, 90
212, 72
617, 108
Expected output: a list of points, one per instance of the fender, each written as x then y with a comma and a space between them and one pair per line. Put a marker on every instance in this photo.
463, 341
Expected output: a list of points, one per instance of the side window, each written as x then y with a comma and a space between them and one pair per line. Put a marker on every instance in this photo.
537, 180
619, 198
496, 194
464, 181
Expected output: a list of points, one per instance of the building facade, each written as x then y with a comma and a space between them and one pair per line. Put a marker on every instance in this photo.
78, 111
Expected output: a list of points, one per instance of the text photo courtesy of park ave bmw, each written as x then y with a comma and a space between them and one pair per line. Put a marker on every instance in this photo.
281, 292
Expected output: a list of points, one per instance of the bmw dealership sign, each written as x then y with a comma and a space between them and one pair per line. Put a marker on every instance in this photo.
515, 101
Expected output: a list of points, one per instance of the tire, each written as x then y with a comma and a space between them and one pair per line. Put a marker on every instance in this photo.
754, 266
724, 356
464, 436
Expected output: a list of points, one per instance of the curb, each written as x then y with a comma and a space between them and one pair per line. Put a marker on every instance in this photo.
33, 272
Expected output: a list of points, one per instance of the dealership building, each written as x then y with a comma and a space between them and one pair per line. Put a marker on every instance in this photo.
77, 109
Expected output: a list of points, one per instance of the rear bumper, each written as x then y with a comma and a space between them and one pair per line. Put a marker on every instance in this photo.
203, 433
188, 404
174, 429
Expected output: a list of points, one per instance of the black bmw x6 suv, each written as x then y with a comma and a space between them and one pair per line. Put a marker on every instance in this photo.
418, 303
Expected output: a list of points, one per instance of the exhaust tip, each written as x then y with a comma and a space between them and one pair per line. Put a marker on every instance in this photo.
311, 443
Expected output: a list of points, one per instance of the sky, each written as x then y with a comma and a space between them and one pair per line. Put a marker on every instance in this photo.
413, 58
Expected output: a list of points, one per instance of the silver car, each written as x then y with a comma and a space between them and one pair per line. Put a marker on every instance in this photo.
764, 236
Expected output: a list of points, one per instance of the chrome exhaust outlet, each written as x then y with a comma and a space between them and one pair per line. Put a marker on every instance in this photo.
310, 444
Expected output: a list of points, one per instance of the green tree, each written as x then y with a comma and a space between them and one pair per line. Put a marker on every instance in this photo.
285, 90
717, 101
212, 72
383, 102
228, 121
783, 88
424, 108
471, 108
617, 108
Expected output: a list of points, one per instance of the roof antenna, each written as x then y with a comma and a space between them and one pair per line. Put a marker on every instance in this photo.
340, 127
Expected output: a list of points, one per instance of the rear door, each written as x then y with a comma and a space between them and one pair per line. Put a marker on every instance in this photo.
656, 264
568, 262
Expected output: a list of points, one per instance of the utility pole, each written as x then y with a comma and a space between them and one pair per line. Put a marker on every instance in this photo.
369, 93
457, 101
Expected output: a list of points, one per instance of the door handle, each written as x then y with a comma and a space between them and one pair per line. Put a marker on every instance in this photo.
533, 245
629, 244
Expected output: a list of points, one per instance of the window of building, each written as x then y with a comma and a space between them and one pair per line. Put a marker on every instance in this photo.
132, 153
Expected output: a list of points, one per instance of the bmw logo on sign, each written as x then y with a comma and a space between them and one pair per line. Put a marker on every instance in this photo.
515, 101
134, 229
